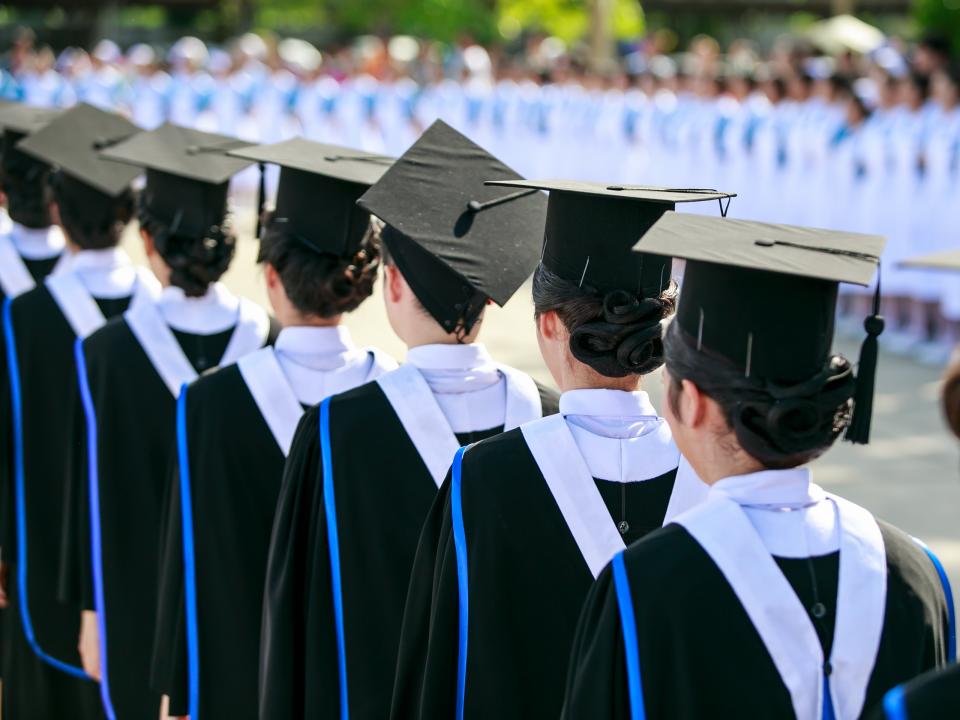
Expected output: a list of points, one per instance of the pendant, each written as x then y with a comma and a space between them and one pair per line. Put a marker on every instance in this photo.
623, 526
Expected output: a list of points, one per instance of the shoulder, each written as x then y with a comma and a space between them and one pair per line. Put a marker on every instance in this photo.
670, 557
215, 385
549, 399
910, 566
33, 301
363, 404
500, 464
116, 334
934, 694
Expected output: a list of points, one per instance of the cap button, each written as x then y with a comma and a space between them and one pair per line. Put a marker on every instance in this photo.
193, 149
764, 243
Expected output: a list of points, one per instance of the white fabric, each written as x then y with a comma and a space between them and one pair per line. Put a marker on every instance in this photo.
213, 312
15, 279
418, 408
323, 361
279, 393
572, 486
107, 273
726, 533
148, 323
37, 244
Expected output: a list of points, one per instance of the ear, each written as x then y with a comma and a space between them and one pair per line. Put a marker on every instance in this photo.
271, 275
148, 247
550, 326
393, 283
694, 405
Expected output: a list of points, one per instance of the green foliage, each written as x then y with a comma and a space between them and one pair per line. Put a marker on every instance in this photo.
443, 20
941, 16
567, 19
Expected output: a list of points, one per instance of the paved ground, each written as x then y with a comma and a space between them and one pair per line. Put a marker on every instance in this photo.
909, 475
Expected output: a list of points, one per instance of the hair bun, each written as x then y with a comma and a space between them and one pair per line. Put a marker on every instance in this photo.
627, 341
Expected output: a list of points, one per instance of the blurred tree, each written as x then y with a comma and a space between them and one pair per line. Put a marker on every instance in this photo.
940, 16
570, 20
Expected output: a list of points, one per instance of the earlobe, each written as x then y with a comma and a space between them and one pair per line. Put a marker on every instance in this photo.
693, 403
548, 324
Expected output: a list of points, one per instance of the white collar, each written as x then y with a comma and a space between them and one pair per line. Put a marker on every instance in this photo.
37, 244
601, 402
450, 357
790, 488
105, 273
319, 348
106, 259
215, 311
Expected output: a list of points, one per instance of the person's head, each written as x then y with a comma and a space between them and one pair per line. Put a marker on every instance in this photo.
951, 395
914, 90
452, 242
752, 382
931, 54
190, 259
857, 111
89, 218
309, 287
24, 183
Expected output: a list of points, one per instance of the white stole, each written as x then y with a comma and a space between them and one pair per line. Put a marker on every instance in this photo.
726, 534
15, 279
427, 427
573, 488
167, 357
80, 309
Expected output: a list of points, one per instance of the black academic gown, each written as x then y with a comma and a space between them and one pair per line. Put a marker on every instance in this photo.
130, 411
933, 695
383, 492
43, 677
701, 656
527, 579
235, 455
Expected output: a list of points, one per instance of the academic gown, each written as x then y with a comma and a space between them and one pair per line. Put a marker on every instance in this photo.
933, 695
759, 604
533, 515
235, 427
340, 559
24, 263
130, 373
42, 667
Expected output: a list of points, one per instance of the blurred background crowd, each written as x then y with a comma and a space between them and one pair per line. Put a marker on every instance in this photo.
828, 121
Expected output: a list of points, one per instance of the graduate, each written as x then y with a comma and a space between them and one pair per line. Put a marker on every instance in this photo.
92, 201
772, 598
130, 374
536, 513
936, 693
321, 255
353, 499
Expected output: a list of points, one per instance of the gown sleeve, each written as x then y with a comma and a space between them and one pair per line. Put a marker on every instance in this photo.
597, 677
290, 567
426, 680
169, 662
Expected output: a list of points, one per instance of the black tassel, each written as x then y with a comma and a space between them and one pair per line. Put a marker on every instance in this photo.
261, 199
859, 430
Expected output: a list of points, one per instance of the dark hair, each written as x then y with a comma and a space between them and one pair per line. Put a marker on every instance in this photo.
322, 284
781, 426
24, 182
195, 262
91, 219
951, 396
617, 334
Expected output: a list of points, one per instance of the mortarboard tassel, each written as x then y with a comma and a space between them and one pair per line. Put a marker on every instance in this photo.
859, 430
261, 198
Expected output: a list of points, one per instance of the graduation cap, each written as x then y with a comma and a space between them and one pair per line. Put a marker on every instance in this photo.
18, 121
764, 296
457, 241
188, 174
72, 143
318, 190
592, 227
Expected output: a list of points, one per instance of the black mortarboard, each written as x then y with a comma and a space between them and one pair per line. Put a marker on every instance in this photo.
318, 190
188, 174
72, 143
943, 260
763, 296
25, 119
457, 241
591, 229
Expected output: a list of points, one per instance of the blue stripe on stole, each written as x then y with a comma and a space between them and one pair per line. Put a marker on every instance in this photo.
333, 545
827, 713
16, 407
96, 538
948, 592
463, 587
189, 563
628, 624
895, 704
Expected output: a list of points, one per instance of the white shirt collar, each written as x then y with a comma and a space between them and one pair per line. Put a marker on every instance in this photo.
106, 259
789, 512
318, 348
37, 244
619, 434
473, 356
216, 311
104, 273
